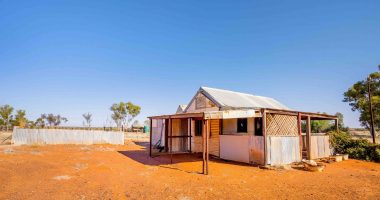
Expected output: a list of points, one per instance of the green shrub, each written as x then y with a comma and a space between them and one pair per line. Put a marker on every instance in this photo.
343, 143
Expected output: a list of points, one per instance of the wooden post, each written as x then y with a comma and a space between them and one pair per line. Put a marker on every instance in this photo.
207, 146
299, 125
190, 134
337, 124
150, 138
308, 138
264, 120
171, 141
204, 147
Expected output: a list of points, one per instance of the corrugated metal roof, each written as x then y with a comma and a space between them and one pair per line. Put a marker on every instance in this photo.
181, 108
230, 99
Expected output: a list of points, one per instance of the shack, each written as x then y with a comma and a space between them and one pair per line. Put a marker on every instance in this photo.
239, 127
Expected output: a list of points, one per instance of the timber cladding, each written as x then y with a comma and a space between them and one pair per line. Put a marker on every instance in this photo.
281, 125
214, 137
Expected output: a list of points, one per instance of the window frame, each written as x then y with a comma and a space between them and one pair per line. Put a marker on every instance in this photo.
198, 127
238, 128
258, 131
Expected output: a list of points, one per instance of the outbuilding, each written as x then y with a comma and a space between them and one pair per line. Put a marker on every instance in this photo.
239, 127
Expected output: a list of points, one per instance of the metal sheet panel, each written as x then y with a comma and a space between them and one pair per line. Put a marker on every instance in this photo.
320, 146
256, 149
234, 147
231, 99
282, 150
58, 136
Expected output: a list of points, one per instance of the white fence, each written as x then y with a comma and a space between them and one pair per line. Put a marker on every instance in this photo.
57, 136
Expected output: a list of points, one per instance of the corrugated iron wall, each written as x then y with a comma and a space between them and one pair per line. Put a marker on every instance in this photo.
320, 146
56, 136
282, 150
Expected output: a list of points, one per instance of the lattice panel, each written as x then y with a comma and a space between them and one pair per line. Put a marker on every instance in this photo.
281, 125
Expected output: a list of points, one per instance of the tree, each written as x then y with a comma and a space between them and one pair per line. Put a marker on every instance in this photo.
6, 116
357, 97
50, 120
320, 126
342, 127
124, 113
40, 122
20, 119
59, 119
88, 119
119, 113
132, 111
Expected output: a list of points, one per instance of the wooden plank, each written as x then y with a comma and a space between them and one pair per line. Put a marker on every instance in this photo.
214, 141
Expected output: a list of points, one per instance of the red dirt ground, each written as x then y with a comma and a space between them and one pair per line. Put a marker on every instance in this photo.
126, 172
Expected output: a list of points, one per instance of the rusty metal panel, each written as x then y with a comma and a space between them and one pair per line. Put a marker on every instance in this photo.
256, 149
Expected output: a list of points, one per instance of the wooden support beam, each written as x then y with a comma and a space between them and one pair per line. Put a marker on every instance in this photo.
190, 134
180, 136
264, 121
207, 143
308, 138
299, 126
204, 147
150, 138
171, 141
337, 124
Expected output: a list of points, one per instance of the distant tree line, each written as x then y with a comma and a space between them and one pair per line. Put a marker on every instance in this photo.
122, 114
9, 119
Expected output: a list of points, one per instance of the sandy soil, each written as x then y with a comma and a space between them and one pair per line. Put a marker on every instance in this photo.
126, 172
5, 137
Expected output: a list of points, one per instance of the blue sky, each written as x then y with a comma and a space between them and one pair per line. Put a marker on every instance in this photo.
74, 57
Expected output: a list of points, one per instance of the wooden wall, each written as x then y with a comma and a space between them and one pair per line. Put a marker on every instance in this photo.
196, 141
214, 137
179, 128
195, 106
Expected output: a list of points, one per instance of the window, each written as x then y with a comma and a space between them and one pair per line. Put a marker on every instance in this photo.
242, 125
198, 127
258, 126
